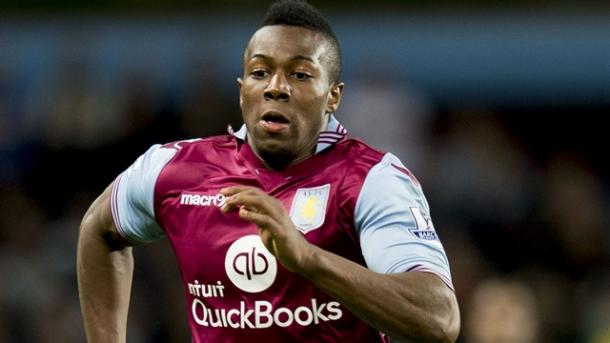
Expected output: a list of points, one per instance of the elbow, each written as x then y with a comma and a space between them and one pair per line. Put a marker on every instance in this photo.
87, 221
443, 329
93, 228
440, 326
450, 329
446, 327
431, 315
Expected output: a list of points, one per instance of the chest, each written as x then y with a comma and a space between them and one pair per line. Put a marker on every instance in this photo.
201, 234
316, 206
220, 249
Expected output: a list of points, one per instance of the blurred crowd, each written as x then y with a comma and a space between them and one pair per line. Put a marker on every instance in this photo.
519, 197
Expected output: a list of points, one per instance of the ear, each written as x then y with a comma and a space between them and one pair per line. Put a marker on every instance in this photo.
334, 97
240, 83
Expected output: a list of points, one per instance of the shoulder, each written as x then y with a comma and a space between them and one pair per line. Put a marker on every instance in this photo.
378, 179
363, 154
195, 160
354, 160
199, 152
356, 147
358, 153
391, 168
161, 156
187, 146
372, 163
388, 190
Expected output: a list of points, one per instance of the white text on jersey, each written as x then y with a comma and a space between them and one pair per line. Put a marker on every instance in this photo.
202, 199
264, 315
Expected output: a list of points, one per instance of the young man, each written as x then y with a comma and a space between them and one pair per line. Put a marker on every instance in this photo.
285, 230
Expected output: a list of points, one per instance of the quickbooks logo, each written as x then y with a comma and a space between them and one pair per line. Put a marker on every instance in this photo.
249, 265
263, 315
202, 199
253, 269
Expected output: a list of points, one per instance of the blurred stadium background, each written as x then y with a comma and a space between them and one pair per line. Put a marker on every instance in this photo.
497, 109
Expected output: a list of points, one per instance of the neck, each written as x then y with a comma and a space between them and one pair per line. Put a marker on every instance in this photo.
283, 159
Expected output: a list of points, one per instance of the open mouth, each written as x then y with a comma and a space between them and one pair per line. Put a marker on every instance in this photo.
274, 122
275, 117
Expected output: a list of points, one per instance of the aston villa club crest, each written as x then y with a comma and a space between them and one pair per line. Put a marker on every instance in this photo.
309, 207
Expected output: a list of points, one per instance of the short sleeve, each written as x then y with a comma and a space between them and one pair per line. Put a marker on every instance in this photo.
393, 222
132, 197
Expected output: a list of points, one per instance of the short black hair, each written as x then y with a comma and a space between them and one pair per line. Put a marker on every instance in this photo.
302, 14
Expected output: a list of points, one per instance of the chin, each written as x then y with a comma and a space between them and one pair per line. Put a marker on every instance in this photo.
277, 157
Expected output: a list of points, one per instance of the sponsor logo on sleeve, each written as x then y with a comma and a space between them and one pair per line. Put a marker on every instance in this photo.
424, 228
309, 207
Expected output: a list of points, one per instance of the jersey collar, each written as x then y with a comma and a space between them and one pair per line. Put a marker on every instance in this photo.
334, 133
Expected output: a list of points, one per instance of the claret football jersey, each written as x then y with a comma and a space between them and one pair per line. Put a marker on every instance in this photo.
348, 199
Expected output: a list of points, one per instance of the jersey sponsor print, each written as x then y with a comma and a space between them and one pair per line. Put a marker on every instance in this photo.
252, 268
348, 199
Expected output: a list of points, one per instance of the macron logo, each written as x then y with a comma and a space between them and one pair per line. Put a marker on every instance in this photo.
202, 199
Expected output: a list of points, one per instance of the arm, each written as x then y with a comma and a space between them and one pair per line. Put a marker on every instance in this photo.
105, 261
409, 306
413, 306
104, 270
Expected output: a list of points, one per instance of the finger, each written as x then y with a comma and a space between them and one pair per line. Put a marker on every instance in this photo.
229, 191
232, 201
267, 239
263, 221
256, 202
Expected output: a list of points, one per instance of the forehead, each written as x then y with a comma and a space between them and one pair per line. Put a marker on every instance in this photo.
281, 42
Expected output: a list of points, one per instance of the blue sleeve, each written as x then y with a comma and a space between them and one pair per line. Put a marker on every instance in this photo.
393, 222
132, 198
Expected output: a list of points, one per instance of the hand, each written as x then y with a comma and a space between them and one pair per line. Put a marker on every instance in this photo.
277, 231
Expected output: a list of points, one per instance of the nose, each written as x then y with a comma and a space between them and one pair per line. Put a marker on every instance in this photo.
278, 88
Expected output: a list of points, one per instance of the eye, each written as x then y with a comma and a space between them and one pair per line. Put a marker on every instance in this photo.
258, 73
301, 76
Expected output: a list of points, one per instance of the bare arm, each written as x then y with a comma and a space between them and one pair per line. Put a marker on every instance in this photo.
105, 270
411, 307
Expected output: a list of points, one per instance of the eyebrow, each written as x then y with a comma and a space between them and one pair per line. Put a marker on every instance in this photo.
293, 58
